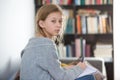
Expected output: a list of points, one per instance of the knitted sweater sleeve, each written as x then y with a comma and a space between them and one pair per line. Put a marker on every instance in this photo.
49, 62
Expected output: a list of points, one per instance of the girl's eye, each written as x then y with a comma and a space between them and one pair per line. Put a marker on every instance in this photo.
60, 21
53, 21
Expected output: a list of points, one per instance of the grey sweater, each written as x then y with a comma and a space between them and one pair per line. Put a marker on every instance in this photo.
40, 62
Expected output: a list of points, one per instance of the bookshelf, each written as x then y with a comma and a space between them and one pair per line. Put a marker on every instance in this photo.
90, 21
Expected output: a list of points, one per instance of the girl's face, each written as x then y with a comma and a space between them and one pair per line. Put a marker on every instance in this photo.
52, 24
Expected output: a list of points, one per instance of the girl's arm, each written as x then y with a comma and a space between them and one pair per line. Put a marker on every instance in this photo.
53, 66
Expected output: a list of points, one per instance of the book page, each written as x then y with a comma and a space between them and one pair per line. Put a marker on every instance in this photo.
89, 70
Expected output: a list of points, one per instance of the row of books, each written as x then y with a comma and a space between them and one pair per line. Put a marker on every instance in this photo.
92, 2
76, 2
88, 21
93, 24
60, 2
75, 49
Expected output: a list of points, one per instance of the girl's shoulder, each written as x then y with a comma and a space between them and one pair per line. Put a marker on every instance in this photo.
41, 41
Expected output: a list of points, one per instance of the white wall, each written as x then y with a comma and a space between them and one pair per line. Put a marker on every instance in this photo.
16, 27
116, 39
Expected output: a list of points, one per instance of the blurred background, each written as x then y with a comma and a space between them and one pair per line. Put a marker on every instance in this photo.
17, 26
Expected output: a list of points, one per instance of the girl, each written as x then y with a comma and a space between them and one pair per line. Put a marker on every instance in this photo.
39, 58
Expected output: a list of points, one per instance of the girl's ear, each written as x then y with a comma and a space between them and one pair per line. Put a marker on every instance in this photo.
41, 24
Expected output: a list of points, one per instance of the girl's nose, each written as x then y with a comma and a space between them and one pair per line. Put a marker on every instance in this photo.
59, 24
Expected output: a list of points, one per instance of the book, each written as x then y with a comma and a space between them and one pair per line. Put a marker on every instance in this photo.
77, 47
78, 23
103, 50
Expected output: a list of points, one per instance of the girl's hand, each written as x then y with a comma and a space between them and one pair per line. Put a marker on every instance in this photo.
82, 65
99, 76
